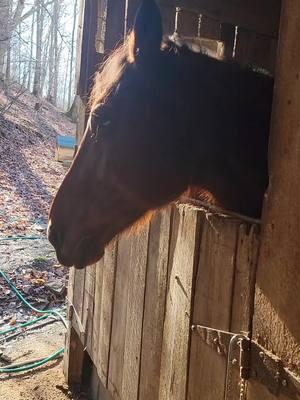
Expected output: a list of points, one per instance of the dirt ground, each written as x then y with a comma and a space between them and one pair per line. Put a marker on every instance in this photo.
29, 177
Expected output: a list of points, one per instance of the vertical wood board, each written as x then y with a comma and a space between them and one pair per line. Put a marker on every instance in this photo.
107, 304
154, 308
212, 306
134, 318
175, 348
118, 334
277, 307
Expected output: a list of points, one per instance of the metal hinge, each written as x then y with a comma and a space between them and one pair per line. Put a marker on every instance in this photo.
254, 363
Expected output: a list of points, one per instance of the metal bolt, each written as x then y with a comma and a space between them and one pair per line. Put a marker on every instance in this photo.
284, 382
261, 354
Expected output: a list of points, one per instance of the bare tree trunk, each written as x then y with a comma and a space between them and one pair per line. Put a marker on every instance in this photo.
31, 52
38, 58
45, 60
56, 50
65, 81
4, 21
7, 71
51, 64
71, 81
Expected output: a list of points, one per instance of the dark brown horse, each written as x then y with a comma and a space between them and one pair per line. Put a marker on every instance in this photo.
163, 119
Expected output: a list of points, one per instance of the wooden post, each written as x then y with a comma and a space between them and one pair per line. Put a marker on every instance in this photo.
277, 308
115, 23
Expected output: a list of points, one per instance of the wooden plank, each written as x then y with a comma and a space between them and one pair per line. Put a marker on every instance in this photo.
101, 23
178, 309
90, 59
155, 302
209, 28
135, 309
99, 267
243, 293
187, 23
88, 306
73, 358
78, 295
212, 306
117, 345
256, 50
254, 15
277, 307
107, 301
244, 280
115, 23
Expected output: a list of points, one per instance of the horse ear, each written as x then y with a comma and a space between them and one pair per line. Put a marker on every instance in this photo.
147, 30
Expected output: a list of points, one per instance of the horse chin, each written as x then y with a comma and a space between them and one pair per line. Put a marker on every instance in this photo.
87, 254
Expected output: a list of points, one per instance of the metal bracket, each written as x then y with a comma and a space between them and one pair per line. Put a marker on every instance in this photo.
254, 361
270, 372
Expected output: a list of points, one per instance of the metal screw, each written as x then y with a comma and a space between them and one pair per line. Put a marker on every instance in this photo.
262, 354
284, 382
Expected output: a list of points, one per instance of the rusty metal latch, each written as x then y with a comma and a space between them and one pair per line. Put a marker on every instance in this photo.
254, 363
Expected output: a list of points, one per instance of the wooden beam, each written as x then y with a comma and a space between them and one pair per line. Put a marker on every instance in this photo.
277, 308
115, 23
261, 16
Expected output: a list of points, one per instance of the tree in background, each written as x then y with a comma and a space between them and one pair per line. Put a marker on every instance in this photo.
38, 47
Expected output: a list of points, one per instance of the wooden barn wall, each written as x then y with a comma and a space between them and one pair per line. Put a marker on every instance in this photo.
138, 304
277, 303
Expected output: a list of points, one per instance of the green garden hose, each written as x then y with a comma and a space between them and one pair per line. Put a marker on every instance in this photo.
46, 313
9, 330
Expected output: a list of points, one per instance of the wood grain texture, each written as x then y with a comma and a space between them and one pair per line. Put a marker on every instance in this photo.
107, 301
277, 307
175, 347
134, 318
120, 304
154, 307
78, 292
212, 306
99, 267
244, 279
88, 306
